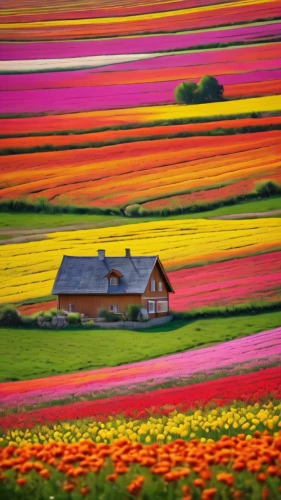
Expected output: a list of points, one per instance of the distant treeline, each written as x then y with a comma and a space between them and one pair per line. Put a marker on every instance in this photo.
265, 189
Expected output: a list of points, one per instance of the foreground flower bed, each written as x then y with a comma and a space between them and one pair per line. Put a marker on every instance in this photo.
229, 468
166, 425
247, 387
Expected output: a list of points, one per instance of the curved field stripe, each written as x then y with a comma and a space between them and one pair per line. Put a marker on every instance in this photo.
120, 20
112, 135
129, 45
108, 118
29, 269
245, 387
78, 99
244, 350
248, 279
86, 78
130, 172
202, 17
37, 14
232, 190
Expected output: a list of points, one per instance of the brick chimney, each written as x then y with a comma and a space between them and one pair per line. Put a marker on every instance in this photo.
101, 254
128, 252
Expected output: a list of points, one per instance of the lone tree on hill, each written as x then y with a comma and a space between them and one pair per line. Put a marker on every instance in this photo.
207, 90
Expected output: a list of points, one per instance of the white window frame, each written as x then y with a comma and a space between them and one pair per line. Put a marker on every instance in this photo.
113, 281
115, 308
71, 308
153, 285
151, 307
160, 287
165, 305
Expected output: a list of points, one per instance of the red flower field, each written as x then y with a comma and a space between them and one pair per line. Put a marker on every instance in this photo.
247, 387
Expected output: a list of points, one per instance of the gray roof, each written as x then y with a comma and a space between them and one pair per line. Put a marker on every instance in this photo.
86, 275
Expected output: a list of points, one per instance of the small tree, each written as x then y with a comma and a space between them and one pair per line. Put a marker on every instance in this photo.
186, 93
210, 90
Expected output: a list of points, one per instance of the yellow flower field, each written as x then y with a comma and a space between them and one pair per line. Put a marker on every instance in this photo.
206, 425
28, 269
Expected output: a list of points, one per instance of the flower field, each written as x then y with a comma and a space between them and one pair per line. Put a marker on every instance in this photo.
231, 282
247, 351
116, 186
90, 124
28, 269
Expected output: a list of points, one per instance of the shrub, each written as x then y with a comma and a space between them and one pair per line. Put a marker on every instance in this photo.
132, 210
29, 321
9, 316
111, 316
268, 188
73, 318
108, 315
102, 313
133, 311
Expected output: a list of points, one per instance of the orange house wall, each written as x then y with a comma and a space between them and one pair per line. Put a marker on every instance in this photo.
91, 304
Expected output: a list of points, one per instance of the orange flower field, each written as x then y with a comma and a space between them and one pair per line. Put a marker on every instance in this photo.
145, 132
124, 469
114, 186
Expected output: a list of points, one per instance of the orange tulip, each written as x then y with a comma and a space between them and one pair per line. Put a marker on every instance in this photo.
45, 473
68, 487
84, 490
209, 494
21, 481
136, 485
199, 483
225, 477
112, 477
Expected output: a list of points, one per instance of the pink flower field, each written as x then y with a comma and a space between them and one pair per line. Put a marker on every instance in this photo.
247, 350
232, 282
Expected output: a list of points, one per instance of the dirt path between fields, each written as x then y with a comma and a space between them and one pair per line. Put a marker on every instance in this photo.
18, 235
249, 215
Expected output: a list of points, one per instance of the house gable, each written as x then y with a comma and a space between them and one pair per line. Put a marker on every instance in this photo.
159, 276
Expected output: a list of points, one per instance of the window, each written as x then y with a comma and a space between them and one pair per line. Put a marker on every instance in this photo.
114, 281
162, 306
151, 306
153, 285
71, 308
160, 287
114, 308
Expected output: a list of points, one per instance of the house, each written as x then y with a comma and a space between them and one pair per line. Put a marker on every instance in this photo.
89, 284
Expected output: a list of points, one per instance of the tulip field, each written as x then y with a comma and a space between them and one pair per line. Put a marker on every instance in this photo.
29, 268
99, 151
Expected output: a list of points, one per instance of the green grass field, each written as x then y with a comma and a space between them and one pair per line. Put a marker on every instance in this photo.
25, 221
27, 354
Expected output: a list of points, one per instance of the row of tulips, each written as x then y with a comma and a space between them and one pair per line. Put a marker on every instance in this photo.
231, 468
206, 425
